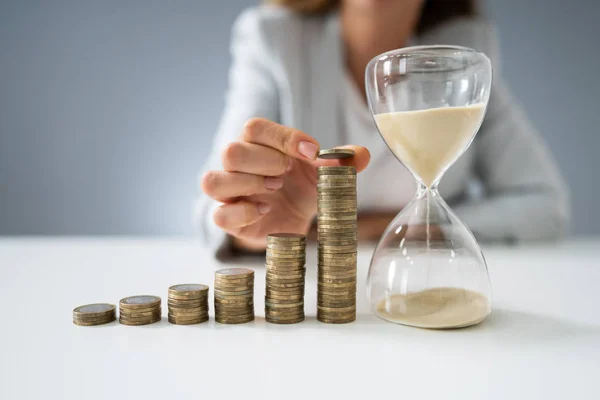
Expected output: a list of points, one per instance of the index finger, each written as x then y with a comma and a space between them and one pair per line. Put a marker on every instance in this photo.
287, 140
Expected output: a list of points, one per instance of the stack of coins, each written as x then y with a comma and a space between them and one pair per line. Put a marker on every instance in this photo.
139, 310
234, 295
337, 240
188, 304
94, 314
286, 256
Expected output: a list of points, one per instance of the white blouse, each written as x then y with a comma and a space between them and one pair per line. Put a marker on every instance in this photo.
386, 185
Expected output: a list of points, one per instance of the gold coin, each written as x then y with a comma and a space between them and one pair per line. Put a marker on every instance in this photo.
349, 169
137, 302
188, 290
284, 322
337, 309
176, 321
189, 316
235, 301
335, 320
291, 298
285, 275
283, 306
285, 237
336, 177
236, 273
331, 154
94, 321
92, 310
337, 280
123, 321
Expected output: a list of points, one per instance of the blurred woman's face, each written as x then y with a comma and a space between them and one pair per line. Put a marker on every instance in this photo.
380, 5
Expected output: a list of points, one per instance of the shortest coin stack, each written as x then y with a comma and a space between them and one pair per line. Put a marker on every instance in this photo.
139, 310
284, 300
94, 314
234, 295
188, 304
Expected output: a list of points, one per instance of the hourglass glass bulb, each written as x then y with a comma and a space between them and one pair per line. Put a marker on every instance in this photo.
428, 103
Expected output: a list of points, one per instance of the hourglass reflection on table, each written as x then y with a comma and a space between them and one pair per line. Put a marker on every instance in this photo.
428, 103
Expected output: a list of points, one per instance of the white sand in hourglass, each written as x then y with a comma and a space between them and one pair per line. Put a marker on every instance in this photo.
428, 141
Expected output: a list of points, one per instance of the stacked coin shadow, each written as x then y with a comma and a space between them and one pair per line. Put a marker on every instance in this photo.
94, 314
188, 304
337, 244
140, 310
285, 276
234, 295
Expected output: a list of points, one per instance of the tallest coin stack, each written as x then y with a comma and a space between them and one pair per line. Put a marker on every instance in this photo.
337, 243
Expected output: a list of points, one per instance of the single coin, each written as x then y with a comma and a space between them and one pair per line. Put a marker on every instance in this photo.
285, 252
285, 275
138, 323
325, 249
336, 303
336, 153
337, 309
97, 309
338, 219
335, 177
189, 316
273, 297
234, 288
142, 301
336, 296
143, 314
289, 285
234, 319
176, 321
284, 322
335, 320
234, 272
270, 304
94, 322
337, 280
337, 316
189, 289
235, 300
285, 237
345, 169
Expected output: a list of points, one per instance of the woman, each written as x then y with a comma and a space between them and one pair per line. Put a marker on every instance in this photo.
299, 66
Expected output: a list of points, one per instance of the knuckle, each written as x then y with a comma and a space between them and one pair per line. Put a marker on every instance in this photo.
252, 129
220, 218
249, 211
231, 153
282, 164
209, 181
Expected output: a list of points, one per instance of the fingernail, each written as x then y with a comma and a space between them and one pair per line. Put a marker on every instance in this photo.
273, 183
264, 208
290, 163
308, 150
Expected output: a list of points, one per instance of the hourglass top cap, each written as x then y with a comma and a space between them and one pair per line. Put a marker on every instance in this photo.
435, 58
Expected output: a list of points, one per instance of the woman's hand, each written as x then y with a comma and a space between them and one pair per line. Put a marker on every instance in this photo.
268, 182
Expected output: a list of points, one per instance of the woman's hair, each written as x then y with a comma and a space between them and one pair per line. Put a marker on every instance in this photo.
434, 11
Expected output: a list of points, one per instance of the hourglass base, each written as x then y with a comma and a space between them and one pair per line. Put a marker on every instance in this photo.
437, 308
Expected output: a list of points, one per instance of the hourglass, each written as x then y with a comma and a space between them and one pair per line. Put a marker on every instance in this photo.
428, 103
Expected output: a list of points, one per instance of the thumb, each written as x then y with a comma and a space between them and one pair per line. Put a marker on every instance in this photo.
360, 160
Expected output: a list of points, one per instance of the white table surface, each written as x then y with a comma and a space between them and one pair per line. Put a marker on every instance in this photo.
542, 340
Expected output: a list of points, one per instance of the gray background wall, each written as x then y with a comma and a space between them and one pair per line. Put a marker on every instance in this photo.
107, 108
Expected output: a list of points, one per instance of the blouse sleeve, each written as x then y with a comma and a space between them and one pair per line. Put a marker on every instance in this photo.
525, 196
251, 93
